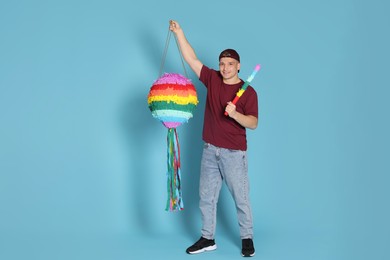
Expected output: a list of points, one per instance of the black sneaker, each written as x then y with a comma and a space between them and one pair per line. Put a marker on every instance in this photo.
247, 248
201, 246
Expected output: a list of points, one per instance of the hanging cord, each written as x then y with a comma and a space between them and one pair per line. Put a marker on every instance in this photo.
166, 51
181, 57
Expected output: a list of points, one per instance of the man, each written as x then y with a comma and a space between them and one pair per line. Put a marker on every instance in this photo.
224, 152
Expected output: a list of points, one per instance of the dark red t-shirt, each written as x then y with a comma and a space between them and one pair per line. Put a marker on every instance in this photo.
218, 129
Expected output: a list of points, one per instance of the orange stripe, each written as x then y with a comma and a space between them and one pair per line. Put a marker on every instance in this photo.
172, 92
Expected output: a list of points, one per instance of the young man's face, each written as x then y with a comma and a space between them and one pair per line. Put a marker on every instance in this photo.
228, 67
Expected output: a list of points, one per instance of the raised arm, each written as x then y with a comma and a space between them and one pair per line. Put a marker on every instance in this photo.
186, 49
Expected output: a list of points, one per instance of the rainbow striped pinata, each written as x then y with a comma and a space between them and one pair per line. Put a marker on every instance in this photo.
172, 100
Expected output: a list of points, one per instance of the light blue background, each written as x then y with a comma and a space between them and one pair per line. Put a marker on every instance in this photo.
82, 161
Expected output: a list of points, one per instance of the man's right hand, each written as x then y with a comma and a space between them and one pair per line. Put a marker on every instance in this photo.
174, 26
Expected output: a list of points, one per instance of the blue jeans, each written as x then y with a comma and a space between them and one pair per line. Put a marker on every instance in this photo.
220, 164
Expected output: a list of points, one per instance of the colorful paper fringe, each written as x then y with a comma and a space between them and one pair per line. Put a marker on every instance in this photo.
172, 100
175, 201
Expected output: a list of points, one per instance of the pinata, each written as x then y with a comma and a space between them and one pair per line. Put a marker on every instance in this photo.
172, 100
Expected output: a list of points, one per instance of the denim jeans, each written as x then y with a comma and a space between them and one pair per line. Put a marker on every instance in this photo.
218, 165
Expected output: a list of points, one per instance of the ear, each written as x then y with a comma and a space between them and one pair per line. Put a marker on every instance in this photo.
238, 66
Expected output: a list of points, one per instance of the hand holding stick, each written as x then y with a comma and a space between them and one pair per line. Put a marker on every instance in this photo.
246, 84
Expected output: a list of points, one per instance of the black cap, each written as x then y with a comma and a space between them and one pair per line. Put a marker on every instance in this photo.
229, 53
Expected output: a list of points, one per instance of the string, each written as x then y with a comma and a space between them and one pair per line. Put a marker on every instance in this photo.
181, 57
166, 51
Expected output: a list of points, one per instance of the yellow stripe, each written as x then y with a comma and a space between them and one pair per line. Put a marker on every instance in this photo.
239, 93
176, 99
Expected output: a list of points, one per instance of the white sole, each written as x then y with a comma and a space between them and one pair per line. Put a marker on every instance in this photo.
209, 248
249, 255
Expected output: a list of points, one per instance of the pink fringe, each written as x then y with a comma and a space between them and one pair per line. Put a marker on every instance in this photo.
172, 78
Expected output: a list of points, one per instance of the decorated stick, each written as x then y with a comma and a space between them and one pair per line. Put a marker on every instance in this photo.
246, 84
